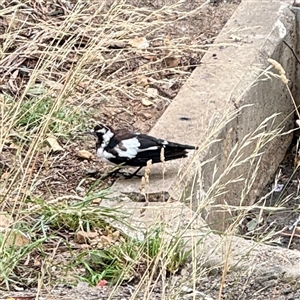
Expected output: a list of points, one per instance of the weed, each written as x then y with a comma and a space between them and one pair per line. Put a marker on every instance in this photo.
34, 112
82, 55
132, 258
12, 265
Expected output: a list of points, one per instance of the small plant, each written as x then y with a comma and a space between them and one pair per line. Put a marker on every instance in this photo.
79, 214
44, 224
131, 259
12, 258
33, 112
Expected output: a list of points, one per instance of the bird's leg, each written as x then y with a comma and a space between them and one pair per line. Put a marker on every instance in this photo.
136, 171
117, 171
114, 172
130, 175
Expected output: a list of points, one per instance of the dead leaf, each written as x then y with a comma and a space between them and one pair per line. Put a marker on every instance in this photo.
82, 237
12, 85
142, 80
84, 84
115, 235
36, 262
168, 41
150, 56
13, 146
5, 175
15, 74
52, 141
22, 298
106, 240
85, 154
152, 92
84, 246
147, 102
29, 171
116, 44
97, 201
25, 191
172, 61
4, 221
139, 43
54, 84
14, 237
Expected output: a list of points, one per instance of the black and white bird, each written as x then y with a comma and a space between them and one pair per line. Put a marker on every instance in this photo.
126, 148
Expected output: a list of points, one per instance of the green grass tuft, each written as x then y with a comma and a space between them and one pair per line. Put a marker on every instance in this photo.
132, 258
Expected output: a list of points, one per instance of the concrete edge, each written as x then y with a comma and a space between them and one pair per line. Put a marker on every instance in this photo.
213, 250
228, 79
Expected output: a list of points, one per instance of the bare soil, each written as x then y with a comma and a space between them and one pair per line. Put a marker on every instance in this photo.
128, 103
130, 90
237, 287
282, 192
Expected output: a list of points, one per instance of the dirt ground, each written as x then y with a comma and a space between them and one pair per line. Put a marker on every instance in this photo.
132, 100
282, 191
127, 109
238, 286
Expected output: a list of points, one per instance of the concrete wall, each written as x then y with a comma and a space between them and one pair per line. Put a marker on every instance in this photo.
261, 29
231, 76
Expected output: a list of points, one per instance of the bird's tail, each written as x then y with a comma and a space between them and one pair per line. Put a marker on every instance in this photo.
180, 146
176, 152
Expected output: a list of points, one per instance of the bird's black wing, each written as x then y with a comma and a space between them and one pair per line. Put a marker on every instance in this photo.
158, 149
135, 149
150, 141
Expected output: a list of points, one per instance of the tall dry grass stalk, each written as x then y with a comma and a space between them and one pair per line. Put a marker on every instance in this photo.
78, 61
74, 56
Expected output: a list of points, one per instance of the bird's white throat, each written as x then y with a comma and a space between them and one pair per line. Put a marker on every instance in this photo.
106, 138
105, 141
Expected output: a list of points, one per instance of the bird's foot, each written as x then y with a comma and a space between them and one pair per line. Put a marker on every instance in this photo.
130, 175
135, 173
114, 173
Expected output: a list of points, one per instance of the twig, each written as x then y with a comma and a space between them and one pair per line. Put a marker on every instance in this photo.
292, 51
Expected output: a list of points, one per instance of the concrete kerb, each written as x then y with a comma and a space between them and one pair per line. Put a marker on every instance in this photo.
212, 250
223, 83
226, 81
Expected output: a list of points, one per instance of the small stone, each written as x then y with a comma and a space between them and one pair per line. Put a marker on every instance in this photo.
80, 189
85, 154
91, 172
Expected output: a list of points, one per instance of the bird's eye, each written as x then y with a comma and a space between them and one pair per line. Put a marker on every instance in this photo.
99, 129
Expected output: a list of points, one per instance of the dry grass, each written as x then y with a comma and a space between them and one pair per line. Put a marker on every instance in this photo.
64, 64
101, 56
